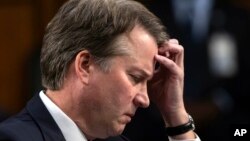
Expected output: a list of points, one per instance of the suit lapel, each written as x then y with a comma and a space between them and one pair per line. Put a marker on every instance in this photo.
44, 120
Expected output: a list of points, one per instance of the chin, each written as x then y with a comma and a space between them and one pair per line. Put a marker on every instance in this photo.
110, 134
117, 130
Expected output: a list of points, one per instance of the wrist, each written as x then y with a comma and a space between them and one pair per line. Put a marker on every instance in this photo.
181, 129
175, 118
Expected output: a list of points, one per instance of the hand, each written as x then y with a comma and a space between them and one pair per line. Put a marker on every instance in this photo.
166, 86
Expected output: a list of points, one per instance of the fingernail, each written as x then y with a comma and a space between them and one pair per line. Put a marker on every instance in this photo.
167, 54
158, 56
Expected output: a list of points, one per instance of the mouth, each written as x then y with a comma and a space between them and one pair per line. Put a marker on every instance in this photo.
129, 117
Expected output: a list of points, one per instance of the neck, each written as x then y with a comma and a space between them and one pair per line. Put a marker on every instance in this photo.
65, 101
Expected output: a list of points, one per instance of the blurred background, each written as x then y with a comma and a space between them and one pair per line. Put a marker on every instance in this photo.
22, 24
214, 33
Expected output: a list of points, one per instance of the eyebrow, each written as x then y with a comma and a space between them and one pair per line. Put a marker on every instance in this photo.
144, 73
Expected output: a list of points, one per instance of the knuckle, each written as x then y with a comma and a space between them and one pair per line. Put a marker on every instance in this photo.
174, 41
181, 48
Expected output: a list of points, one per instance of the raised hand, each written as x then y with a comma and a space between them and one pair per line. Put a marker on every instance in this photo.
166, 86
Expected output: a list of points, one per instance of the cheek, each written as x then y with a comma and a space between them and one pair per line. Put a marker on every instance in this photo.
115, 89
123, 94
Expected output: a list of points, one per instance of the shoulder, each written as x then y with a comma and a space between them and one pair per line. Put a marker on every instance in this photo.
20, 127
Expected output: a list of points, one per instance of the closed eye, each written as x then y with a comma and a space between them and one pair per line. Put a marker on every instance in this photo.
136, 78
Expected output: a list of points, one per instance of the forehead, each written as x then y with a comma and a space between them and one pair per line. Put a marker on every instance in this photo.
142, 48
141, 42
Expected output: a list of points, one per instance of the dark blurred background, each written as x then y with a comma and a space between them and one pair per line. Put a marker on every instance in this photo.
22, 24
214, 33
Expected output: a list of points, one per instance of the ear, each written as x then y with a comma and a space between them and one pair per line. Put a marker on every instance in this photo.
82, 64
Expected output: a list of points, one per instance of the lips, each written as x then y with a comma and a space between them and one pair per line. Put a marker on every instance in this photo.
130, 115
127, 118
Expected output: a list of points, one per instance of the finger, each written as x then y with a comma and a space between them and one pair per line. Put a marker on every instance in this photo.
177, 52
173, 47
180, 58
174, 41
167, 54
174, 52
168, 63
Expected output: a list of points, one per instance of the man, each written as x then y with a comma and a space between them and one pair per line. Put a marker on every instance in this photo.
97, 64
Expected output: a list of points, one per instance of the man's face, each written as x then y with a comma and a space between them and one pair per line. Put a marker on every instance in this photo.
114, 96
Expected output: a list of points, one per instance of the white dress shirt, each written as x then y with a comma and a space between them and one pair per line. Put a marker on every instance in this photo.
196, 139
69, 129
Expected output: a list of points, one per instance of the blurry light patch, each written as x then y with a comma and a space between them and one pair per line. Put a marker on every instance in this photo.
222, 52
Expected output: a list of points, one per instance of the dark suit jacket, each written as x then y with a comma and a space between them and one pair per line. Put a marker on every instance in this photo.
34, 123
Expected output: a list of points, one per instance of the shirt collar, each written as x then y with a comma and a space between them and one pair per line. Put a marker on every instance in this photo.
69, 129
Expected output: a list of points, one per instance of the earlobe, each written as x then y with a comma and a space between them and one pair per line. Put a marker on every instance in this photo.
82, 64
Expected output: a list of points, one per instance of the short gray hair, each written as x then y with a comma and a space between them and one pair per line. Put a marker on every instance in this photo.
92, 25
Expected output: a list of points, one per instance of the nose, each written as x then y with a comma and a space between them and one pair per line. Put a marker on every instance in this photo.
141, 98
